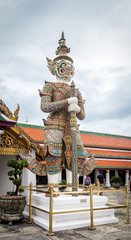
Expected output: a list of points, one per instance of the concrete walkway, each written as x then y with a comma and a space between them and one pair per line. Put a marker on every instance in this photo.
119, 231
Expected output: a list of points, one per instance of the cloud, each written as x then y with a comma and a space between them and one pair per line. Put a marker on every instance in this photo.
98, 33
111, 126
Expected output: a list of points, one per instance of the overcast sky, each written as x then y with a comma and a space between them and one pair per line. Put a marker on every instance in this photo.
99, 35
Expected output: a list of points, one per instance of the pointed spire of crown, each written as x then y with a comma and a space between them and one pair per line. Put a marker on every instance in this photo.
62, 50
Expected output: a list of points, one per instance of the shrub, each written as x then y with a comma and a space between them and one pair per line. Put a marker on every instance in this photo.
116, 180
16, 173
63, 182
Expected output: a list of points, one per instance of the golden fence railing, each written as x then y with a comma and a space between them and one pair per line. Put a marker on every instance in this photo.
30, 205
87, 190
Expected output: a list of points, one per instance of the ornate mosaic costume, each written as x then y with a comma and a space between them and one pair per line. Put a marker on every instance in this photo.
62, 142
57, 134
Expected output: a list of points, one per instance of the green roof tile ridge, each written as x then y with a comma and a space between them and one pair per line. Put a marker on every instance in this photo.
81, 131
2, 118
30, 125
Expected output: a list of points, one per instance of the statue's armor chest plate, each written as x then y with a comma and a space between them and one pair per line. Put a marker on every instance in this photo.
60, 91
57, 119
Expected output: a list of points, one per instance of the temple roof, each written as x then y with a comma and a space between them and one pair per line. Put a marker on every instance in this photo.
13, 136
91, 139
111, 151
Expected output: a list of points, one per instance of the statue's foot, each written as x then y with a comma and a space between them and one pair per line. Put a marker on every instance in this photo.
55, 194
68, 189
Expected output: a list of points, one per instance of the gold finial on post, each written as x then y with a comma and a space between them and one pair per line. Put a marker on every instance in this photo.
51, 211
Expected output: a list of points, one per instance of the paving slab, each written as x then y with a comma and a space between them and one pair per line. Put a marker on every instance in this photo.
118, 231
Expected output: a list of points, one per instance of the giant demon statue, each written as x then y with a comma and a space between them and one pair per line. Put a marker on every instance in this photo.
56, 99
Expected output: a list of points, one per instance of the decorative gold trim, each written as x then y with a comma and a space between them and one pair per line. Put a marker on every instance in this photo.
17, 136
29, 141
10, 146
8, 113
12, 151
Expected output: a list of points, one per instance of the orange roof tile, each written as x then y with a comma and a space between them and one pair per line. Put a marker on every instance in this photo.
95, 140
89, 139
107, 141
116, 164
35, 133
110, 153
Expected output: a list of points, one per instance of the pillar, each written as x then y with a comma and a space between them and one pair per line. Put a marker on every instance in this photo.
96, 172
108, 178
126, 176
116, 173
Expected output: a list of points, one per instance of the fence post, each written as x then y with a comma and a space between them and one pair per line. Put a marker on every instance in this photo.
30, 204
127, 204
91, 210
98, 186
51, 210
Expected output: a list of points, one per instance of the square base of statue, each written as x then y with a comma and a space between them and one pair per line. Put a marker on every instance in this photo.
65, 221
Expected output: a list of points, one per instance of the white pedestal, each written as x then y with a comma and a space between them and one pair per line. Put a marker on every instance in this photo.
65, 221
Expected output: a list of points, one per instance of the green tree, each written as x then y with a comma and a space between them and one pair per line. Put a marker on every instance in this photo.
16, 174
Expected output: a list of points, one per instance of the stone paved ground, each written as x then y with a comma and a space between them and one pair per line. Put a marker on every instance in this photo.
117, 231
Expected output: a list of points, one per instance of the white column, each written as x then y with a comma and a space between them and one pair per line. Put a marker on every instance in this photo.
53, 179
108, 178
68, 181
126, 176
28, 176
96, 173
116, 173
78, 178
68, 177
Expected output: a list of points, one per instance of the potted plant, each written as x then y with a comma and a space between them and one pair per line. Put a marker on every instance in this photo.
63, 183
116, 182
12, 205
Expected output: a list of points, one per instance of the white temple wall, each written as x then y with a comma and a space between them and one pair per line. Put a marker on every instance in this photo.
5, 184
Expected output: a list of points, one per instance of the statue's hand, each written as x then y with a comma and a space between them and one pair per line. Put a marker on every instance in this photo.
72, 100
74, 108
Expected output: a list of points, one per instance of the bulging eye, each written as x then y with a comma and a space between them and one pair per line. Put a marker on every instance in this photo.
63, 65
62, 70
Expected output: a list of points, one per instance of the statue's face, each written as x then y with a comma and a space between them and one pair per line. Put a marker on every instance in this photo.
64, 70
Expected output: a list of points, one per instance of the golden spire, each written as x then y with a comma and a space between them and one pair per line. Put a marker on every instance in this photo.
62, 50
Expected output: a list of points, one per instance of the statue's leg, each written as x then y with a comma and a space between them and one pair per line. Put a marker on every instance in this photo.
53, 165
68, 181
53, 179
